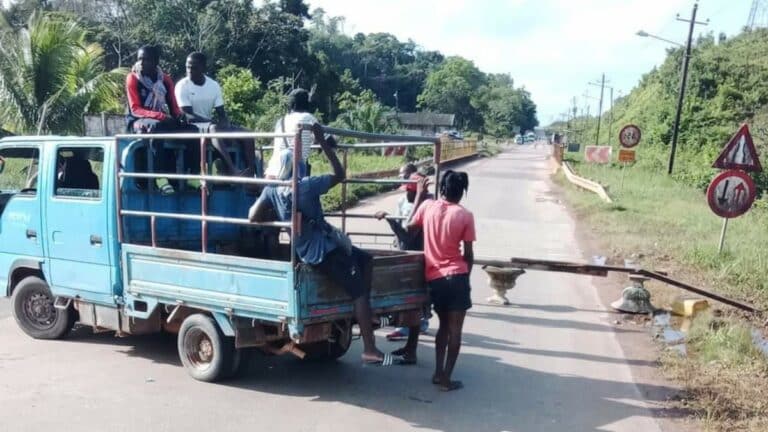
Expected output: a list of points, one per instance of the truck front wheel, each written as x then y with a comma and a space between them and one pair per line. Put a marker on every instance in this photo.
34, 311
205, 352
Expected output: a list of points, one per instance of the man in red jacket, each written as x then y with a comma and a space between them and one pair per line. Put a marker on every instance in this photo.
152, 108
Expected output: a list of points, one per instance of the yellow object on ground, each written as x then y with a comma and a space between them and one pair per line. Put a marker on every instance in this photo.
689, 307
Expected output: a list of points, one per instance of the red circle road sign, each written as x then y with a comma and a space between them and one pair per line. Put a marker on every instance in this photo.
731, 194
629, 136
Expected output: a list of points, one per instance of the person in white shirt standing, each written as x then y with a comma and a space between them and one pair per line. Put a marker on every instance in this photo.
298, 114
200, 98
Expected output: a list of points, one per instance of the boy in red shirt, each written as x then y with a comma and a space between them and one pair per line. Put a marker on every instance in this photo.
447, 226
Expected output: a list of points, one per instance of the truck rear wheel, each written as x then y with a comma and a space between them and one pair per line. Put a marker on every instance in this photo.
204, 351
332, 349
34, 311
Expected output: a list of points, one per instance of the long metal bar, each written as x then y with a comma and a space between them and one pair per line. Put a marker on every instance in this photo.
118, 192
602, 271
191, 217
203, 199
153, 229
206, 135
379, 181
295, 214
206, 178
370, 234
437, 157
361, 216
344, 194
375, 136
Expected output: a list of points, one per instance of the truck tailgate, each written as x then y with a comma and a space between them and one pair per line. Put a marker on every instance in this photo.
398, 284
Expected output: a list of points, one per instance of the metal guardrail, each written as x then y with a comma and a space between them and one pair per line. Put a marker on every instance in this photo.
585, 183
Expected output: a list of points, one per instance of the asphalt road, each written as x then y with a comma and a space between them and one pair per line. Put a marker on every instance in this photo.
549, 362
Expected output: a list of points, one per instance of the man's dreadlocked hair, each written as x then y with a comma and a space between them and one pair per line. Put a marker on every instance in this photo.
453, 184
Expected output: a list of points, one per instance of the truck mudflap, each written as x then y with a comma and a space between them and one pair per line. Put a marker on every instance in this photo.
398, 285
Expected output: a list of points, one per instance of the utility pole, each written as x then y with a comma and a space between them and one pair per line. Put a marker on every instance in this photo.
683, 81
600, 107
610, 122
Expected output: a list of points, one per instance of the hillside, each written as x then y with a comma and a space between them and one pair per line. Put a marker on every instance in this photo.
727, 85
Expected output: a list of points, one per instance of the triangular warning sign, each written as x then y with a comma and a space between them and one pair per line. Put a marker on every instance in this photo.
739, 153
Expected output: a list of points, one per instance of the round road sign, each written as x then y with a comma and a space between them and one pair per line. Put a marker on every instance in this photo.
731, 194
629, 136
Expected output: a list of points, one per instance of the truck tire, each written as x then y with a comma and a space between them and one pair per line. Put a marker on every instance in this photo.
333, 348
34, 312
204, 351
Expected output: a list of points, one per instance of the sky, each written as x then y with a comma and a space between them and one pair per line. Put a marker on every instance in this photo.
553, 48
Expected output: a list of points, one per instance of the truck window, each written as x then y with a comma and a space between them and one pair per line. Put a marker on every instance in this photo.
78, 172
19, 172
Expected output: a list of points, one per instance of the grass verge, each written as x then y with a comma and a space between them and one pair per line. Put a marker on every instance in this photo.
668, 226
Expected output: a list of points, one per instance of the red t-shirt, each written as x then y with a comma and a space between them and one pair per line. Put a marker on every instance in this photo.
445, 225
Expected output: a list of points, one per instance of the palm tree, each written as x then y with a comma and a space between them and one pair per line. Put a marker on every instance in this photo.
50, 76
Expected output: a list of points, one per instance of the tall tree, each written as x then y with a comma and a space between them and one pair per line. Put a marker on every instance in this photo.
50, 76
453, 88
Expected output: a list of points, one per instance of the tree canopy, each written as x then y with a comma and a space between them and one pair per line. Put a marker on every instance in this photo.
260, 51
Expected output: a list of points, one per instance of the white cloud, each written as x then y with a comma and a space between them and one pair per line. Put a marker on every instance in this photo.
552, 47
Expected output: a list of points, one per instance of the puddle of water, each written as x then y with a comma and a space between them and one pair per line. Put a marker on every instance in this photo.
680, 349
760, 342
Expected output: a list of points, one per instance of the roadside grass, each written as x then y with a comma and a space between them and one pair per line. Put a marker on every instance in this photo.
724, 375
668, 226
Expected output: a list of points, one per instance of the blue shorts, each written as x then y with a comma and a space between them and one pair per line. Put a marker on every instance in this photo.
451, 293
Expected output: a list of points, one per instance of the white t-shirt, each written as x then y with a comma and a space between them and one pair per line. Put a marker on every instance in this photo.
203, 99
291, 122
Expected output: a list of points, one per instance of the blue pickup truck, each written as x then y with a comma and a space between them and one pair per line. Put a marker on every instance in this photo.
87, 236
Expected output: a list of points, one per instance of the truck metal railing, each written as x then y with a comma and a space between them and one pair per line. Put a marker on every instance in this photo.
294, 226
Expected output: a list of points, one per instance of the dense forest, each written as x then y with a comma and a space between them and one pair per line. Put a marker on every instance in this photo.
727, 85
60, 59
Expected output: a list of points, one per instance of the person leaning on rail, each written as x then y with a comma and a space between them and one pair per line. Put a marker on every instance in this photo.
321, 245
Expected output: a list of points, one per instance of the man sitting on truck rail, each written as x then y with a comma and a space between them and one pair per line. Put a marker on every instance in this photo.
199, 98
319, 244
152, 108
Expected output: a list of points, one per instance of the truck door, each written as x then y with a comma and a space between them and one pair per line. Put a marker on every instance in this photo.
77, 240
20, 230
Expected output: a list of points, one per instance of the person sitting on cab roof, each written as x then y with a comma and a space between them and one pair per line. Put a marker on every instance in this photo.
320, 245
152, 108
199, 98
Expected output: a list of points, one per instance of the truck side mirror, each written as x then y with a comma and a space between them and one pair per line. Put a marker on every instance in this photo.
2, 164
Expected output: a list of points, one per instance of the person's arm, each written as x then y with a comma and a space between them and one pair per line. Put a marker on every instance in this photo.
218, 107
339, 174
221, 116
170, 98
191, 117
468, 238
422, 189
261, 210
135, 103
417, 219
469, 255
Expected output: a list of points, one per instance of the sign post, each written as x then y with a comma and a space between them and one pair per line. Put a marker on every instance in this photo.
732, 192
629, 137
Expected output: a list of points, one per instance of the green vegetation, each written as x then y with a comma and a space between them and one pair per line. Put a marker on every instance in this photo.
50, 75
671, 225
728, 85
258, 51
725, 375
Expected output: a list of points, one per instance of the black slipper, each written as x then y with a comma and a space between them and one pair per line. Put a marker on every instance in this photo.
452, 385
